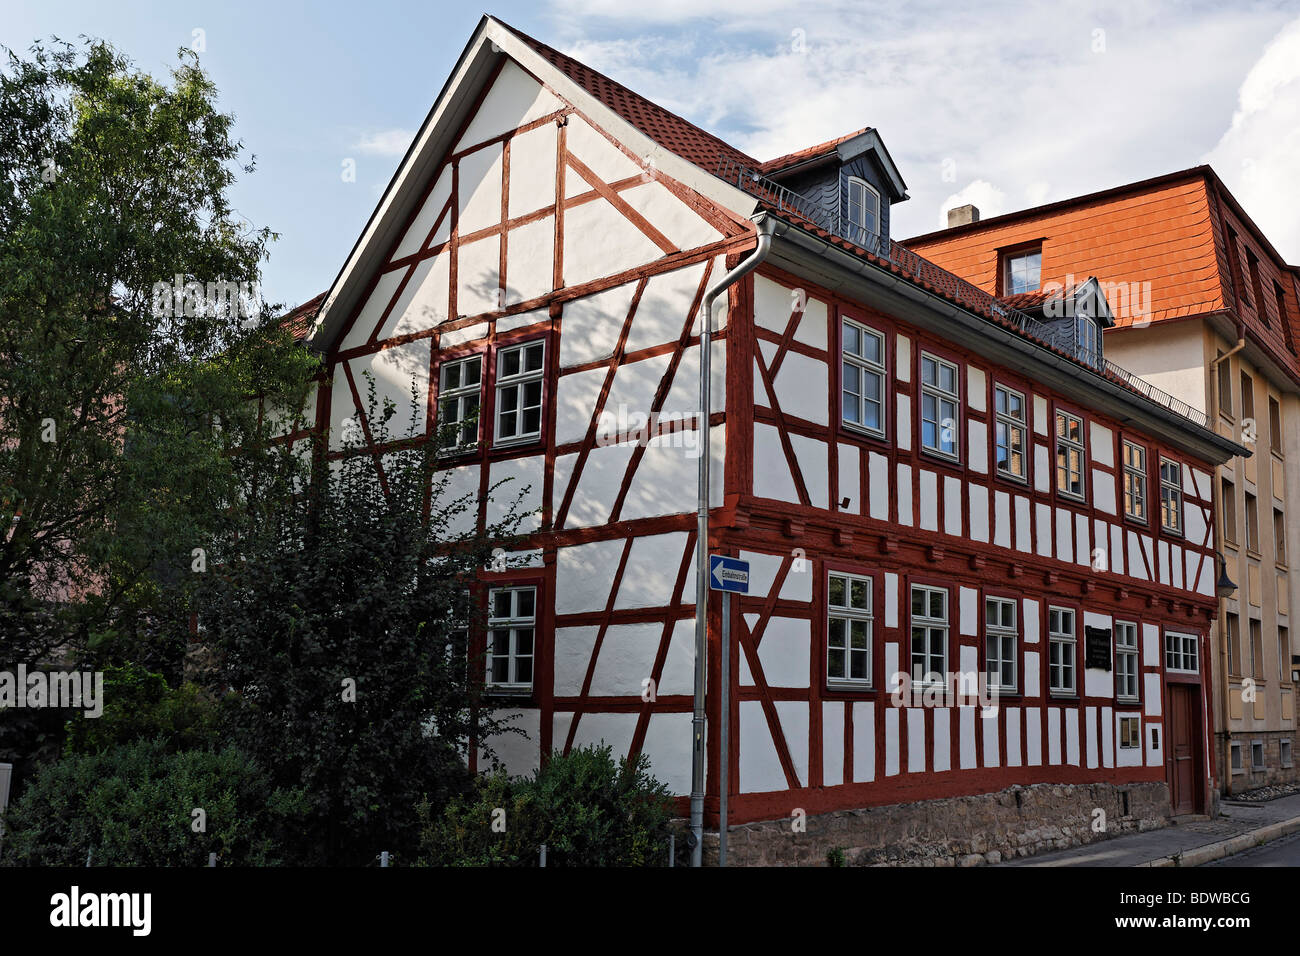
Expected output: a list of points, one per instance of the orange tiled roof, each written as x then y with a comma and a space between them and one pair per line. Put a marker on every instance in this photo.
1164, 236
299, 321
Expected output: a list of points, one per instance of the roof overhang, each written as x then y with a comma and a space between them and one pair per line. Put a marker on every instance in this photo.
869, 141
802, 253
490, 42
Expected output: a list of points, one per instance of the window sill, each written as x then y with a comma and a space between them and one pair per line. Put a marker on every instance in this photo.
941, 456
859, 431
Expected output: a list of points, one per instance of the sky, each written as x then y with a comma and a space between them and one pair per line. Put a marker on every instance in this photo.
1005, 105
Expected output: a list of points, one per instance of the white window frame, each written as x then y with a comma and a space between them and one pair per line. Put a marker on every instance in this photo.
518, 383
1064, 444
1128, 662
1009, 260
1176, 658
1008, 421
460, 395
941, 396
850, 615
1059, 642
1171, 496
1000, 634
1138, 473
930, 624
511, 627
868, 190
865, 367
1088, 339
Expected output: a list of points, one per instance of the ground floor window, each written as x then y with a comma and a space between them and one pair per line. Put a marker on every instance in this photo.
1062, 650
929, 633
1130, 733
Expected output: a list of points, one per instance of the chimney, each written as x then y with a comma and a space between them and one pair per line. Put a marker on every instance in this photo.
963, 215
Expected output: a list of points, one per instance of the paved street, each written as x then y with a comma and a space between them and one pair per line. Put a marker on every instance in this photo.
1283, 852
1137, 849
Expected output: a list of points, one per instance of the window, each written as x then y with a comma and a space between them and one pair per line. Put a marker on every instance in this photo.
863, 358
1126, 661
1171, 496
848, 630
1069, 454
1236, 759
938, 405
1225, 385
1279, 535
1181, 653
512, 623
1252, 523
1257, 651
1257, 755
1130, 733
519, 392
1135, 481
1022, 271
1000, 634
1284, 746
1247, 397
459, 385
1274, 426
1283, 653
1234, 643
929, 634
1088, 340
1234, 265
862, 215
1009, 432
1280, 295
1228, 509
1061, 650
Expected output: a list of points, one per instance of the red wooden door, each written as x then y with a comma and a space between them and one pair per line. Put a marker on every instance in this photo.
1184, 729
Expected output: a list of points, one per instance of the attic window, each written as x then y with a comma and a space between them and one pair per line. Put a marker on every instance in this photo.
861, 211
1021, 271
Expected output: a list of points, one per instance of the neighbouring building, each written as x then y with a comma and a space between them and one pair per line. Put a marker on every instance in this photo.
928, 482
1205, 308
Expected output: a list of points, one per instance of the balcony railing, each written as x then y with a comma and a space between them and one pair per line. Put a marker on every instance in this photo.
1063, 336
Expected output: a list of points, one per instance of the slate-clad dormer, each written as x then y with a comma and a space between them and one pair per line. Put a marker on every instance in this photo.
852, 182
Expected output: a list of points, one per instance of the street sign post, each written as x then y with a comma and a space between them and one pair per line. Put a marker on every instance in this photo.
730, 576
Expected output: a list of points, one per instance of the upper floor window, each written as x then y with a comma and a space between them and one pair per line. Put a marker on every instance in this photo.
938, 405
1061, 650
1135, 481
1021, 271
929, 633
459, 386
1009, 432
1181, 653
1228, 510
863, 361
1274, 426
1069, 454
1252, 266
1000, 634
520, 369
848, 629
512, 625
1126, 661
1279, 294
862, 211
1088, 339
1171, 496
1225, 384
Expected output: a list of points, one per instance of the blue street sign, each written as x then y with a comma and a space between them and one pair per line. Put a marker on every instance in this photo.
728, 574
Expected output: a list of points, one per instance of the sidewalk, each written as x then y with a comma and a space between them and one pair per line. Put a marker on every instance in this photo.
1238, 827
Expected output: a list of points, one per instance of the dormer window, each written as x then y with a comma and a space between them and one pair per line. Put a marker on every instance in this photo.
861, 211
1022, 271
1089, 340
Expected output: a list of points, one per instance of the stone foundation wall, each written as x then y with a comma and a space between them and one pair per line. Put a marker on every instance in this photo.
956, 831
1273, 772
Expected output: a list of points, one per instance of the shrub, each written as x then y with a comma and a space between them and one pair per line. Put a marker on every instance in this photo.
133, 806
139, 705
587, 808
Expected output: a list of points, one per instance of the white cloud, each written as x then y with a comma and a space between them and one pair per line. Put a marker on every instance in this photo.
1259, 155
959, 96
984, 196
389, 142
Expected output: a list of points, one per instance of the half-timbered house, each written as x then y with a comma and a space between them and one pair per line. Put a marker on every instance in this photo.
928, 481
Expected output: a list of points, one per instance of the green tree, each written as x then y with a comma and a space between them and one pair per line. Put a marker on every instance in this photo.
336, 612
113, 186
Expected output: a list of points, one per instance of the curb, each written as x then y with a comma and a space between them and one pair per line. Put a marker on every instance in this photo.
1216, 851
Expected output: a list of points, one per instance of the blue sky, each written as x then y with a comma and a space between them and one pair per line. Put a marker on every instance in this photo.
1005, 104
